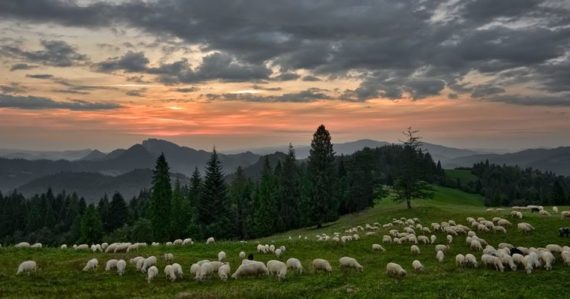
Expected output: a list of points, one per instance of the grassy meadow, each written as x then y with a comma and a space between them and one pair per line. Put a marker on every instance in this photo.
60, 274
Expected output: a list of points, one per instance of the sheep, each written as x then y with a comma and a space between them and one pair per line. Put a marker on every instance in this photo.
169, 273
22, 245
149, 261
504, 222
564, 214
499, 229
91, 265
441, 247
433, 238
517, 214
547, 257
528, 264
566, 257
121, 265
417, 265
206, 269
111, 264
386, 239
151, 273
168, 257
395, 270
278, 252
224, 271
221, 256
277, 268
210, 240
476, 245
27, 267
508, 260
36, 245
518, 259
177, 270
487, 259
242, 255
554, 248
349, 262
449, 239
555, 209
187, 241
321, 265
525, 227
440, 256
423, 239
250, 268
470, 260
378, 247
415, 250
295, 264
460, 260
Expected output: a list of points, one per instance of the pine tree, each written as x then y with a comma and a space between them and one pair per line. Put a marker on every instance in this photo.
118, 212
178, 215
160, 202
91, 227
213, 209
194, 193
288, 192
266, 201
242, 204
322, 177
103, 207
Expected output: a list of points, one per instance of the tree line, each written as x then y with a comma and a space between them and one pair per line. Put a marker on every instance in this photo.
289, 194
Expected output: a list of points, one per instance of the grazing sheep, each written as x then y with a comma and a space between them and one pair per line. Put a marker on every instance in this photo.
206, 269
470, 260
441, 247
387, 239
460, 260
433, 238
476, 245
194, 269
321, 265
277, 268
517, 214
528, 264
548, 259
278, 252
440, 256
121, 266
221, 256
169, 273
554, 248
504, 222
418, 267
566, 257
525, 227
151, 273
168, 257
27, 267
91, 265
250, 268
37, 245
565, 214
295, 264
378, 247
518, 259
242, 255
149, 261
499, 229
415, 250
395, 270
449, 239
487, 259
349, 262
111, 264
178, 270
210, 240
22, 245
224, 271
187, 241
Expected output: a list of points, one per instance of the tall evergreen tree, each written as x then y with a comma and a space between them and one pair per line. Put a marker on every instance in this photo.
178, 215
241, 194
160, 202
91, 227
213, 209
193, 227
266, 201
118, 212
288, 192
321, 171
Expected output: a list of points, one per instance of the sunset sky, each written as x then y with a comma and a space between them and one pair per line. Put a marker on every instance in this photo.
243, 74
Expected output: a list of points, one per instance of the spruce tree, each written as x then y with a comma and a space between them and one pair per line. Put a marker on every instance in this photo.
160, 201
321, 173
288, 192
266, 201
213, 209
178, 215
118, 213
242, 205
193, 227
91, 227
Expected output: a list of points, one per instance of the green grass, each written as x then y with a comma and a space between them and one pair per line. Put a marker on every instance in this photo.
465, 176
60, 274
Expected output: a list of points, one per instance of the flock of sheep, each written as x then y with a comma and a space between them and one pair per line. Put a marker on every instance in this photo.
403, 231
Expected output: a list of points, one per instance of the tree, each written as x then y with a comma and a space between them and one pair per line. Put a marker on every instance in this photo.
194, 193
213, 209
141, 231
160, 200
409, 184
241, 194
179, 217
118, 212
321, 173
288, 192
266, 208
91, 226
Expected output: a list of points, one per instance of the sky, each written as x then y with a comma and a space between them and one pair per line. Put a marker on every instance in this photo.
243, 74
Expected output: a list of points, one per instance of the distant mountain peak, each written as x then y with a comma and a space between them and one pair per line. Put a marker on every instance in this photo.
94, 155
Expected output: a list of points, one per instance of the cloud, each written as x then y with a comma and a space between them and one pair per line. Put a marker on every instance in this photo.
130, 62
562, 100
36, 103
187, 89
54, 53
309, 95
486, 90
310, 78
39, 76
12, 87
136, 93
22, 66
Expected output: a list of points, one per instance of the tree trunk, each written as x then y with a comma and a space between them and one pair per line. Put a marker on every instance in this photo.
409, 203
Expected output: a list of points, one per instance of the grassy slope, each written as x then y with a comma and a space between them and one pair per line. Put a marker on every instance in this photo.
465, 176
61, 276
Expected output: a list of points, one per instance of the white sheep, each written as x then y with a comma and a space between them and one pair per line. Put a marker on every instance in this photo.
471, 260
210, 240
555, 209
63, 246
460, 260
168, 257
386, 239
221, 256
433, 238
525, 227
295, 264
206, 270
242, 255
449, 239
91, 265
441, 247
149, 261
415, 250
487, 259
121, 266
566, 257
548, 259
37, 245
349, 262
151, 273
395, 270
417, 265
27, 267
169, 273
277, 268
177, 270
22, 245
378, 247
224, 271
321, 265
111, 264
476, 245
250, 268
440, 256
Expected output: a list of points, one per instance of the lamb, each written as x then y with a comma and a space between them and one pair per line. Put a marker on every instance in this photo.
168, 257
224, 271
460, 260
415, 250
321, 265
378, 247
418, 267
395, 270
221, 256
295, 264
210, 240
91, 265
111, 264
151, 273
525, 227
278, 268
121, 266
471, 260
250, 268
242, 255
149, 261
349, 262
27, 267
440, 256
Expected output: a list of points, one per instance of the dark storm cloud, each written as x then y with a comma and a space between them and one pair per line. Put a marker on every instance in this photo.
413, 48
54, 53
486, 90
35, 103
309, 95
